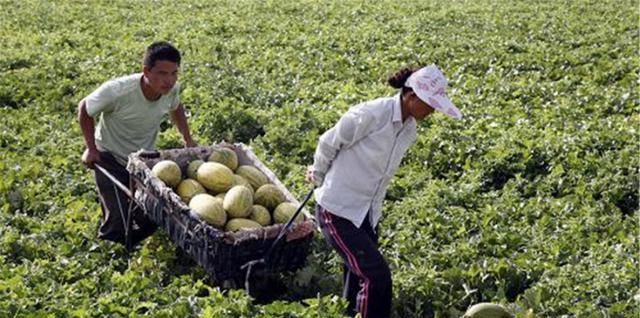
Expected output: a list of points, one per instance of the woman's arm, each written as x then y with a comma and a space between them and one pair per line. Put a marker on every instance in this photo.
352, 126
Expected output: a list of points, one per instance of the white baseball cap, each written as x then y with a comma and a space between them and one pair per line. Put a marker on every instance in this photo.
431, 87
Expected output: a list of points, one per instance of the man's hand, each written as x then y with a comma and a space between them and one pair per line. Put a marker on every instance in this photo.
87, 125
179, 118
190, 143
89, 158
227, 145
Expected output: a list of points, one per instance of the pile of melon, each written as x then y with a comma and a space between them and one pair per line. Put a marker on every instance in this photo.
226, 195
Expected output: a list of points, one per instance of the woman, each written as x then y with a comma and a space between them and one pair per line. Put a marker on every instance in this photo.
353, 164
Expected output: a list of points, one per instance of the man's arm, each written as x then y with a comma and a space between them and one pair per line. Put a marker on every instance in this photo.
179, 118
87, 125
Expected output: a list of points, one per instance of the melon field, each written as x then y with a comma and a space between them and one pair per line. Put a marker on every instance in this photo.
531, 201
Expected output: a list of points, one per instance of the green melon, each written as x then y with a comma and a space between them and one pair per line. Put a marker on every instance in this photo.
269, 196
239, 180
209, 209
240, 224
188, 188
255, 177
487, 310
167, 171
214, 176
192, 168
284, 211
238, 202
221, 195
224, 156
260, 214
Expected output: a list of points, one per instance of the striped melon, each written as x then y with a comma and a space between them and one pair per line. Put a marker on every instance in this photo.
188, 188
209, 209
255, 177
214, 176
269, 196
224, 156
260, 214
238, 201
487, 310
284, 211
239, 180
167, 171
239, 224
192, 168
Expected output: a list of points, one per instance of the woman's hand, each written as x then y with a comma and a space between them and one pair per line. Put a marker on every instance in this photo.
313, 177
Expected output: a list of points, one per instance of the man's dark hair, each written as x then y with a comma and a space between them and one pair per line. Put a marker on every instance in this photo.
161, 51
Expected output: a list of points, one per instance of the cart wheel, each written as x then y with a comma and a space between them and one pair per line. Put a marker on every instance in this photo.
232, 283
267, 287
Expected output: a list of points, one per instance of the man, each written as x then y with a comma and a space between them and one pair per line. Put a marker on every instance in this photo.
130, 110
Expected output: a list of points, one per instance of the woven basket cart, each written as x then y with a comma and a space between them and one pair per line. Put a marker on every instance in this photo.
221, 254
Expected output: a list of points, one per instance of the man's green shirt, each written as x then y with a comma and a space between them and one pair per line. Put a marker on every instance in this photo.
128, 121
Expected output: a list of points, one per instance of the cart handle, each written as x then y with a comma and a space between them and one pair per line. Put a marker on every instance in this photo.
127, 219
283, 231
114, 180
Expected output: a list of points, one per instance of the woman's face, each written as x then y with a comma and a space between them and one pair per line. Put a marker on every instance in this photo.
416, 107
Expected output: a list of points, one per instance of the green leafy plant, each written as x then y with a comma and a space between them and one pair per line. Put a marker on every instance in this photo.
530, 201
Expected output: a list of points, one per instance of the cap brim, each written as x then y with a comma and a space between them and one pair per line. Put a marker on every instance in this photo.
444, 105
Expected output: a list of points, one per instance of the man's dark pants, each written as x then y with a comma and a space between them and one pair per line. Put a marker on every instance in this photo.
115, 205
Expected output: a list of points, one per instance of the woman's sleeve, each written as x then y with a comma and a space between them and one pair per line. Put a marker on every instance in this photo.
352, 126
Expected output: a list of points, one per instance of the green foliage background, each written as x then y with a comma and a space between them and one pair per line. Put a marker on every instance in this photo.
530, 201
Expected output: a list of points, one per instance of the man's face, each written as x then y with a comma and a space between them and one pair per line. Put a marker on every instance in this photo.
162, 76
